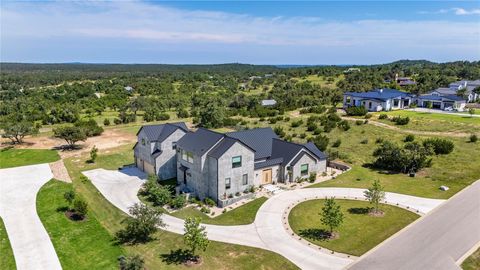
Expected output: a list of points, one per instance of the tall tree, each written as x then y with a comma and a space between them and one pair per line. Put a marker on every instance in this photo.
71, 134
375, 194
16, 131
332, 216
195, 236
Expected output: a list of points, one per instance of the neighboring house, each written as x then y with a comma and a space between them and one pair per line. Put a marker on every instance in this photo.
155, 150
404, 81
268, 102
468, 86
352, 69
223, 166
128, 88
441, 101
378, 100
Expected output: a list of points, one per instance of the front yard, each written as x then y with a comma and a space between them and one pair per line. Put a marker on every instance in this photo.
22, 157
359, 232
7, 261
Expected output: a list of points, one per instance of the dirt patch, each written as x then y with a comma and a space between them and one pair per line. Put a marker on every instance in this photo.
294, 114
374, 213
110, 138
333, 236
60, 172
72, 215
193, 262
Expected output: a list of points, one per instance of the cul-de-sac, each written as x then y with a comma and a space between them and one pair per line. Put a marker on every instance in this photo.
239, 135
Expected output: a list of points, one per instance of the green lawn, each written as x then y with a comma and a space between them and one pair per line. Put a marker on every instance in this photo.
7, 261
472, 262
163, 252
359, 232
244, 214
79, 244
437, 122
22, 157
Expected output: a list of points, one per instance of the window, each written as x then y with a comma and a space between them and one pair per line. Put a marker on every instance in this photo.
187, 156
245, 179
237, 162
349, 100
304, 169
370, 105
395, 103
143, 141
174, 145
227, 183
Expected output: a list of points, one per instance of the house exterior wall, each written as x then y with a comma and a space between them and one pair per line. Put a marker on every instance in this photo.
225, 170
166, 162
276, 175
144, 152
313, 166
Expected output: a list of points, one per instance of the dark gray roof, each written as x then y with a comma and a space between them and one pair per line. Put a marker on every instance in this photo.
200, 141
268, 163
314, 149
158, 133
259, 139
442, 98
379, 94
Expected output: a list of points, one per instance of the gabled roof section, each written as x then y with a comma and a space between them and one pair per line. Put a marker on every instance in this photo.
314, 149
158, 133
379, 94
224, 145
288, 150
259, 139
442, 97
200, 141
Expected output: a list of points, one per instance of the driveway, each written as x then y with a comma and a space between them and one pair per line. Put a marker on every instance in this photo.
30, 242
268, 230
443, 112
438, 241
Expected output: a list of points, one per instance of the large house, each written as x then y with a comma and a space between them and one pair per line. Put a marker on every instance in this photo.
223, 166
378, 100
454, 88
218, 166
155, 150
441, 101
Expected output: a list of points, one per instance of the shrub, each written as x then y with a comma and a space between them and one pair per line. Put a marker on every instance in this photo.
117, 121
379, 140
409, 138
412, 157
209, 202
439, 146
364, 141
356, 111
230, 195
359, 122
238, 194
368, 116
141, 225
317, 131
106, 122
303, 135
279, 131
89, 127
295, 124
69, 196
131, 263
179, 201
159, 195
224, 211
337, 143
205, 210
383, 116
81, 207
365, 122
473, 138
312, 177
182, 113
344, 125
253, 189
401, 120
321, 141
311, 126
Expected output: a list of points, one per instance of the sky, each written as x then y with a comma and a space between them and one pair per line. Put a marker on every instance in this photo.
254, 32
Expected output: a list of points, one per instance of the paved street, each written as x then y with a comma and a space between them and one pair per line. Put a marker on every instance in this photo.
436, 241
267, 231
30, 242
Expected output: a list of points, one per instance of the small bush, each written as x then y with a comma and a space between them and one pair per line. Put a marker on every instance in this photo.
106, 122
383, 116
473, 138
409, 138
81, 207
205, 210
368, 116
379, 140
295, 124
89, 127
224, 210
230, 195
359, 122
312, 177
317, 131
179, 201
337, 143
238, 194
344, 125
356, 111
439, 146
209, 202
117, 121
69, 196
401, 120
131, 263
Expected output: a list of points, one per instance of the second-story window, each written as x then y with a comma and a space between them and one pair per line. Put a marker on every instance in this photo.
187, 156
174, 145
237, 162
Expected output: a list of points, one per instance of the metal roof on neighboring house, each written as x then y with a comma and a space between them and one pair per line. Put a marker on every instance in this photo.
441, 98
379, 94
259, 139
269, 102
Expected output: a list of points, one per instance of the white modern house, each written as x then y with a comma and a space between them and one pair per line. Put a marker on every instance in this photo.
378, 100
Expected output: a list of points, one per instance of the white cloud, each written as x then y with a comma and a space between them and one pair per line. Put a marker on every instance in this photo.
456, 11
156, 25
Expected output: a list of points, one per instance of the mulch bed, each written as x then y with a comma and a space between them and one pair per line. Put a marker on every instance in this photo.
72, 215
193, 262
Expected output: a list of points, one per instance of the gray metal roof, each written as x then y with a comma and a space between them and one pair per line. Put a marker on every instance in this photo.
314, 149
259, 139
158, 133
200, 141
285, 150
380, 94
268, 163
269, 102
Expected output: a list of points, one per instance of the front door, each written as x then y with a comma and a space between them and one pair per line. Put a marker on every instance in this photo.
266, 176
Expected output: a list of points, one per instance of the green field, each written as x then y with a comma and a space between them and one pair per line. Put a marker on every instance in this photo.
164, 251
79, 244
359, 232
244, 214
7, 261
472, 262
422, 121
22, 157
